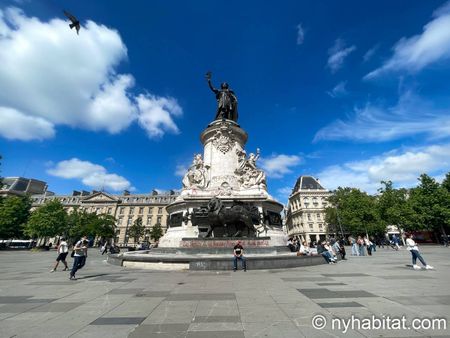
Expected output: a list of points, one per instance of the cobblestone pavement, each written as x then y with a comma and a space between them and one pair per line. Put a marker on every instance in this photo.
111, 301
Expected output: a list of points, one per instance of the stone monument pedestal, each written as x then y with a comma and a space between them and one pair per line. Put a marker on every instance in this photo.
224, 193
224, 199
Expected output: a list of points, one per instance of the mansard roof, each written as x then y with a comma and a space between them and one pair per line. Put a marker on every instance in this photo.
305, 182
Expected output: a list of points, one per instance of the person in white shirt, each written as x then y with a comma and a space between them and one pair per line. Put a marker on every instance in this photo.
304, 249
414, 249
63, 250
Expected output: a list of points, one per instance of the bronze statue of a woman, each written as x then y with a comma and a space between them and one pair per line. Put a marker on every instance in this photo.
226, 101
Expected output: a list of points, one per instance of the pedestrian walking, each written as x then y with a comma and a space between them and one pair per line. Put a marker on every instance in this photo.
104, 248
445, 240
355, 249
396, 241
63, 250
368, 245
414, 249
361, 250
374, 245
79, 256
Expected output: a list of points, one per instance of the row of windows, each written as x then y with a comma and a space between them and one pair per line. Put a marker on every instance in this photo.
148, 220
148, 199
76, 200
309, 217
140, 210
310, 225
306, 204
65, 200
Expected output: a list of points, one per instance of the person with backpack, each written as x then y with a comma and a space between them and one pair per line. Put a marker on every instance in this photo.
79, 256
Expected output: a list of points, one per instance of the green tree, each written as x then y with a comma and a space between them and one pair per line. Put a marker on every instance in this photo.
429, 201
48, 220
446, 191
446, 182
103, 226
356, 212
137, 230
14, 213
332, 220
1, 179
156, 232
77, 223
80, 223
393, 207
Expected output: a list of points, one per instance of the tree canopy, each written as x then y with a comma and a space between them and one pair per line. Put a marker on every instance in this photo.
48, 220
80, 223
14, 213
424, 207
156, 232
136, 230
430, 205
354, 211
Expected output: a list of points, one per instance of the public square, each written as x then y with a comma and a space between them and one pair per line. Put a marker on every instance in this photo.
112, 301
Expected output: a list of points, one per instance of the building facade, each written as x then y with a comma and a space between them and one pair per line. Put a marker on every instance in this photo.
305, 216
125, 208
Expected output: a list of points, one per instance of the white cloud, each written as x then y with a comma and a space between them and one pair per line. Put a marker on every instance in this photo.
337, 55
415, 53
156, 114
110, 160
401, 167
375, 123
90, 174
66, 79
15, 125
284, 192
277, 166
112, 109
300, 34
181, 170
339, 90
370, 53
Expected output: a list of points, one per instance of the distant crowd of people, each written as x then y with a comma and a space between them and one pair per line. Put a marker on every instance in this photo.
363, 245
330, 250
333, 249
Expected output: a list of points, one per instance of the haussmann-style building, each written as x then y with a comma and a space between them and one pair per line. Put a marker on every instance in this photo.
125, 208
305, 216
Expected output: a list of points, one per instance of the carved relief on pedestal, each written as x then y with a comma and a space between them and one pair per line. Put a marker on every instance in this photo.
225, 189
196, 176
250, 176
224, 140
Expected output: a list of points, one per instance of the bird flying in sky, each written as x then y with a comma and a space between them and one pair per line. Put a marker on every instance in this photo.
75, 22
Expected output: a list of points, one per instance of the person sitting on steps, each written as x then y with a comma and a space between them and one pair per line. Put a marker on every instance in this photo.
238, 252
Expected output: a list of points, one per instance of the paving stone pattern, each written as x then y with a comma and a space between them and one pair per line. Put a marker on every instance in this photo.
112, 301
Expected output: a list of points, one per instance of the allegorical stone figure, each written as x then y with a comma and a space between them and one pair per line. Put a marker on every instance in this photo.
196, 176
226, 101
249, 174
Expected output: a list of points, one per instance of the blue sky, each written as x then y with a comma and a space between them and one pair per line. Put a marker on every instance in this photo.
350, 92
